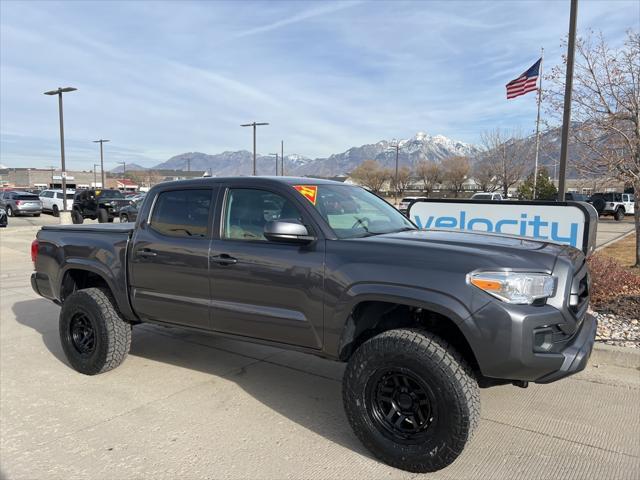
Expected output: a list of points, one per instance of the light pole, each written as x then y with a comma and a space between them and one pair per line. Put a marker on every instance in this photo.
52, 168
397, 147
101, 141
568, 89
124, 168
95, 181
59, 92
254, 125
282, 158
276, 162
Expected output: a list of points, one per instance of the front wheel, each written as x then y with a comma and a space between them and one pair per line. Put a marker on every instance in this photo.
619, 215
103, 215
76, 217
94, 337
411, 400
9, 211
56, 211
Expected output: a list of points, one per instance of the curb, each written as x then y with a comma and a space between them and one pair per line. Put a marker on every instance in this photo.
619, 356
617, 239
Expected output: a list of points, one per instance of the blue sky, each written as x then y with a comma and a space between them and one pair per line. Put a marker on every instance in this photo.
163, 78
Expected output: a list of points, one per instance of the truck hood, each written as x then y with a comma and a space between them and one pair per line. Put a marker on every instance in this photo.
505, 250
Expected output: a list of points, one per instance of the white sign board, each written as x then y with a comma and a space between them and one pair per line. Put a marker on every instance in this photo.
571, 223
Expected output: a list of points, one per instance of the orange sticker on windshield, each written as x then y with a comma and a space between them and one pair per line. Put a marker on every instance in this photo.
310, 192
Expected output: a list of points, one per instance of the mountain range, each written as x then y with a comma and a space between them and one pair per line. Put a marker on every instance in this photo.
412, 150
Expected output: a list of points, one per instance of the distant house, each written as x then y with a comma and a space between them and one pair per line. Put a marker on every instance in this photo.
123, 184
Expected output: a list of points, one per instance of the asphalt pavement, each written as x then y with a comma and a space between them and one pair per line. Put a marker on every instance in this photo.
186, 405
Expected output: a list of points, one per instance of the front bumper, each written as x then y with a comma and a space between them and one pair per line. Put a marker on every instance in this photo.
505, 342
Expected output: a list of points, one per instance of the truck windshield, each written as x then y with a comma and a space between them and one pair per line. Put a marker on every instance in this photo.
353, 212
109, 194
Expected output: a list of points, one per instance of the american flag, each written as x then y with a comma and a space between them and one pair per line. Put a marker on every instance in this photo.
525, 83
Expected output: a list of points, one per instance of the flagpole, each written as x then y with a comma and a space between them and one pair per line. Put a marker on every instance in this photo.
535, 168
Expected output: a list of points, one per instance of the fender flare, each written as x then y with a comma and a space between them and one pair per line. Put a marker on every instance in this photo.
121, 298
429, 299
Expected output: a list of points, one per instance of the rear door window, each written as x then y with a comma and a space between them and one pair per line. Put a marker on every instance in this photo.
182, 213
26, 197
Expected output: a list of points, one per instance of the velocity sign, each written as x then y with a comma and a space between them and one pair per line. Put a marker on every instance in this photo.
570, 223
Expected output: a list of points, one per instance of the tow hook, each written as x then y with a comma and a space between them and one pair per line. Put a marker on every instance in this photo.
520, 383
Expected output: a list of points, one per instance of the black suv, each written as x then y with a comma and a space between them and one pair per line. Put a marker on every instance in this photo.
103, 204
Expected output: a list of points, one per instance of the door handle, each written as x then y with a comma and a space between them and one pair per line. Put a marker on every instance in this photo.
224, 259
145, 252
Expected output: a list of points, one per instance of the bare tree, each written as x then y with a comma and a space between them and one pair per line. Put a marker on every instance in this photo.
404, 179
455, 172
506, 156
370, 174
430, 173
484, 175
605, 111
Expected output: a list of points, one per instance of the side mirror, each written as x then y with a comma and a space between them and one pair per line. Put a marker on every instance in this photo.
288, 231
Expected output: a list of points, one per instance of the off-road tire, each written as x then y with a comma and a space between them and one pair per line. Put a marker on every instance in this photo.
55, 211
450, 380
124, 218
619, 215
76, 217
112, 334
103, 215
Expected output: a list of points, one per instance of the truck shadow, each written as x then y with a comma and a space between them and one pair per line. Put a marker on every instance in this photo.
304, 389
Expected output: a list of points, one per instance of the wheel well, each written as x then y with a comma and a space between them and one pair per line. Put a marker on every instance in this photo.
371, 318
77, 279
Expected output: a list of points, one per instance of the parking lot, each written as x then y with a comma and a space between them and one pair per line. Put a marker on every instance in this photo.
187, 405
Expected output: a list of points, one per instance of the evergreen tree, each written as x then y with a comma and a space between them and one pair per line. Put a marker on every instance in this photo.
545, 189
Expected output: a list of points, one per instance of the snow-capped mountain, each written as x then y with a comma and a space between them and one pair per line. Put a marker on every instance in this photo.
412, 150
419, 147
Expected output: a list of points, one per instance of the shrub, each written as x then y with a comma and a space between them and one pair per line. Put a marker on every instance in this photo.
610, 280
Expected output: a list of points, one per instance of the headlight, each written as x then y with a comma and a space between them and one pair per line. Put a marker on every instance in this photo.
520, 288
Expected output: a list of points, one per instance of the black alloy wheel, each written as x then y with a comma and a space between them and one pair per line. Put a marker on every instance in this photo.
83, 335
401, 404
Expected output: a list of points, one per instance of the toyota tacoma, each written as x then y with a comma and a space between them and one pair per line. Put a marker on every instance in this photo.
423, 319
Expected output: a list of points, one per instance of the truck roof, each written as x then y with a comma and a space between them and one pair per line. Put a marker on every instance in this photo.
257, 180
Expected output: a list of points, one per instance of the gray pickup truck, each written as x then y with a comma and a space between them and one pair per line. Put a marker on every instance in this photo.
422, 318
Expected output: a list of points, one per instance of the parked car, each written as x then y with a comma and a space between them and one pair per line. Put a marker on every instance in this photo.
495, 196
53, 202
17, 202
613, 203
129, 213
406, 201
103, 204
575, 197
4, 221
422, 318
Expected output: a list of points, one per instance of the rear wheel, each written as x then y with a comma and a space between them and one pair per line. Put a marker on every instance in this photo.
9, 211
103, 216
619, 215
411, 400
94, 337
76, 217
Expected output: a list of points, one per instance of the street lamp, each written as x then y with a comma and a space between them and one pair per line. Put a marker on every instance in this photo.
59, 92
101, 141
282, 158
397, 147
124, 168
254, 125
276, 162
